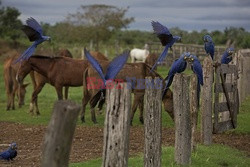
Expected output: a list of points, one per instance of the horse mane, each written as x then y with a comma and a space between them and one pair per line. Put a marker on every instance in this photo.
46, 57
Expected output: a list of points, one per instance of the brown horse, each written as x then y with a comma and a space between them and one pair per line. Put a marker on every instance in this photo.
11, 85
138, 71
59, 71
151, 59
74, 71
39, 81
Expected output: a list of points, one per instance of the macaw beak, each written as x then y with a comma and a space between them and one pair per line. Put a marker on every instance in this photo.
49, 39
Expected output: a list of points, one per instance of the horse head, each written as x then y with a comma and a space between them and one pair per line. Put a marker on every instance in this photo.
21, 93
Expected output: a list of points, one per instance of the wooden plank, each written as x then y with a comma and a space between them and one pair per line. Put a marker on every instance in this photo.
223, 106
228, 68
193, 109
229, 87
224, 126
152, 125
182, 119
116, 127
59, 134
207, 97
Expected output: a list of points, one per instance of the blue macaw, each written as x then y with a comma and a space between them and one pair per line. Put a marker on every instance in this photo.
10, 153
178, 66
35, 33
197, 69
166, 38
209, 45
227, 56
113, 69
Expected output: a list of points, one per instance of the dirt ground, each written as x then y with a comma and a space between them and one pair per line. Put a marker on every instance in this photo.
88, 142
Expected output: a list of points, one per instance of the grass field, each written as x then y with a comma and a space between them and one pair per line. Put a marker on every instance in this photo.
216, 155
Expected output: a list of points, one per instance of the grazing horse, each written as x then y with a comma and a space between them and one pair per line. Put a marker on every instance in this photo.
39, 81
59, 64
138, 54
11, 85
59, 71
140, 72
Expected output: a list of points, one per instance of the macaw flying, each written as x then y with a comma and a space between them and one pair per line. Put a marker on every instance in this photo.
227, 56
197, 69
34, 32
10, 153
209, 45
113, 69
166, 38
178, 66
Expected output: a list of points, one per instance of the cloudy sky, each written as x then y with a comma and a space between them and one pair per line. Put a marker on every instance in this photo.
185, 14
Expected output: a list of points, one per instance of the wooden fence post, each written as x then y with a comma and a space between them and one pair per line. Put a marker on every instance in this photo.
116, 127
193, 108
59, 134
207, 102
182, 119
152, 124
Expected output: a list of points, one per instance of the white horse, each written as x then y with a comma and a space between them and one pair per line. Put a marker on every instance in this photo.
139, 54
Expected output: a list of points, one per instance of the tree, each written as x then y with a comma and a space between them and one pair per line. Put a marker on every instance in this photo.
9, 23
100, 20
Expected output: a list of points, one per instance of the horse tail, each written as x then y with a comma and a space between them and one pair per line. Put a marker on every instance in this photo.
8, 79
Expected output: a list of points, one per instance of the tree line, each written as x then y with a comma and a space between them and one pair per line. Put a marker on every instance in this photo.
104, 24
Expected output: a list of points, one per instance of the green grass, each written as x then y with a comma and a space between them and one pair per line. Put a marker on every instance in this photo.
212, 156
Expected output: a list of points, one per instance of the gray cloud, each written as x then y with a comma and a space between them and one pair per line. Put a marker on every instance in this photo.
188, 14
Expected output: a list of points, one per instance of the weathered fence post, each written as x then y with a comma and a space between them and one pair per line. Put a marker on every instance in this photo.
152, 124
182, 119
59, 135
116, 127
207, 102
193, 108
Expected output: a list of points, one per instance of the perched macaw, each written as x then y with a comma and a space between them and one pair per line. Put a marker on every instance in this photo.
178, 66
197, 69
166, 38
34, 32
113, 69
209, 45
227, 56
10, 153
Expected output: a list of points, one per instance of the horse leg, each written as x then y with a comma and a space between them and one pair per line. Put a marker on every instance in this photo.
59, 92
66, 90
12, 100
134, 107
93, 117
85, 100
34, 98
141, 103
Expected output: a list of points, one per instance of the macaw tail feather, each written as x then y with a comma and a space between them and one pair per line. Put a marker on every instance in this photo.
97, 97
169, 81
161, 57
198, 94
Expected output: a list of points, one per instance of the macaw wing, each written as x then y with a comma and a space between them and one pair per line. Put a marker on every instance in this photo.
197, 69
5, 155
162, 33
27, 53
31, 33
31, 22
94, 64
161, 57
116, 65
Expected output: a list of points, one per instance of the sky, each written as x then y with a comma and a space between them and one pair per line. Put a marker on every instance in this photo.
186, 14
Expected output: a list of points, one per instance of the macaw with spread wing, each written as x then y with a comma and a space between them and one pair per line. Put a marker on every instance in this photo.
166, 38
34, 32
113, 69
